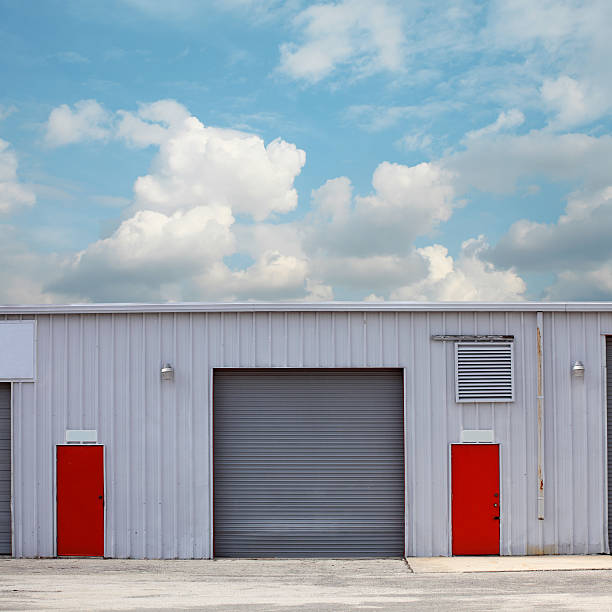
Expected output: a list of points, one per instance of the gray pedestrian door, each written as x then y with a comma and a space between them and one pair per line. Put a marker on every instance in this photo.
308, 463
5, 469
609, 394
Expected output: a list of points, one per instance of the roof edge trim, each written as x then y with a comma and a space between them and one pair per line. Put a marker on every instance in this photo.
30, 309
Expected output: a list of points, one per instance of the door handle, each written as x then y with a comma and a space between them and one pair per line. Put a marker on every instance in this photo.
496, 518
99, 496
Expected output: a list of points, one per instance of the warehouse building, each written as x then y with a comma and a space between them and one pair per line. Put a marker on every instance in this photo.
305, 430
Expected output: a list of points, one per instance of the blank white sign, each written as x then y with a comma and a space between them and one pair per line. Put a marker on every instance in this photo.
17, 353
81, 435
477, 435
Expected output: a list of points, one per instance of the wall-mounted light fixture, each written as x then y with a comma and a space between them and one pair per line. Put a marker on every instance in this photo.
167, 372
577, 369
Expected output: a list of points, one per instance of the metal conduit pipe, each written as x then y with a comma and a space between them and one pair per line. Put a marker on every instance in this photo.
540, 400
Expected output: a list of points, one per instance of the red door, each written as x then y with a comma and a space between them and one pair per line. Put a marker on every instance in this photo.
475, 502
80, 501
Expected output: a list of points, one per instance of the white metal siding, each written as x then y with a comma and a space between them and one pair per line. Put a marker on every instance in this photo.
609, 402
5, 468
101, 371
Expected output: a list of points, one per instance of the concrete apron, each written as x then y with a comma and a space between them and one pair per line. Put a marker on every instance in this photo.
458, 565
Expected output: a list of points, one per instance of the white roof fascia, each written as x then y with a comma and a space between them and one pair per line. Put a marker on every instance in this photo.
28, 309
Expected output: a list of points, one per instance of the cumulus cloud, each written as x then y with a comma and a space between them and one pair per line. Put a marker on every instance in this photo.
580, 236
573, 102
467, 278
272, 276
199, 164
183, 224
566, 48
151, 124
23, 272
13, 194
149, 254
196, 164
87, 120
593, 284
504, 121
407, 201
576, 248
367, 37
496, 165
183, 218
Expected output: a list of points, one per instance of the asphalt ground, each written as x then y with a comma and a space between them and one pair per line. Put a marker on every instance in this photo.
295, 585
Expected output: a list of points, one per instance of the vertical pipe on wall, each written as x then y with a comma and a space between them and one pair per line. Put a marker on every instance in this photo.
540, 398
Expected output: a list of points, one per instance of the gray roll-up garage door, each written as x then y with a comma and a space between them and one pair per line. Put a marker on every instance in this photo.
609, 395
5, 469
308, 463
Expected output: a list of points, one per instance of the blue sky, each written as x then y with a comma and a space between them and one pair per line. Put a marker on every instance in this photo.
243, 149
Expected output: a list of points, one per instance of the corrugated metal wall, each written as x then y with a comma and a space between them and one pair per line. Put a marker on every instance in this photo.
102, 372
5, 469
609, 415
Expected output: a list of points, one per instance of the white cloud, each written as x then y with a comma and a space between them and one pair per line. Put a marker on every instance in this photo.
467, 278
549, 23
576, 247
408, 201
7, 111
149, 253
13, 194
367, 37
88, 120
373, 118
593, 284
198, 165
356, 276
417, 141
505, 121
573, 102
496, 164
566, 45
377, 118
24, 272
151, 124
272, 276
71, 57
183, 226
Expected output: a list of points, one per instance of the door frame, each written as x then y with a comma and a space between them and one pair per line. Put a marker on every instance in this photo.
450, 490
607, 441
211, 476
79, 444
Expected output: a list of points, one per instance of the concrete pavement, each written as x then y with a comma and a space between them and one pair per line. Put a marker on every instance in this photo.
295, 585
444, 565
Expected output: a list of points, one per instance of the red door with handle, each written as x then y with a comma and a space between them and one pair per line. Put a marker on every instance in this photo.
475, 504
80, 501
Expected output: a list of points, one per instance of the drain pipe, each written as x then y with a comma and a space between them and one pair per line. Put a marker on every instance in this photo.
540, 398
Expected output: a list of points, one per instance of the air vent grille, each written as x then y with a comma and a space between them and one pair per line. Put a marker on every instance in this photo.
484, 372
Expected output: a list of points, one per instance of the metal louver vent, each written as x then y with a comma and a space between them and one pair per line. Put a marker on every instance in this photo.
484, 372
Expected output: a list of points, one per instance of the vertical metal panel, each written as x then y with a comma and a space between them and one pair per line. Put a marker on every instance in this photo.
609, 432
102, 372
5, 468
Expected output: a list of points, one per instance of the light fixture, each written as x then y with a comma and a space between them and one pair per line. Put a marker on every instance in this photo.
167, 372
577, 369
